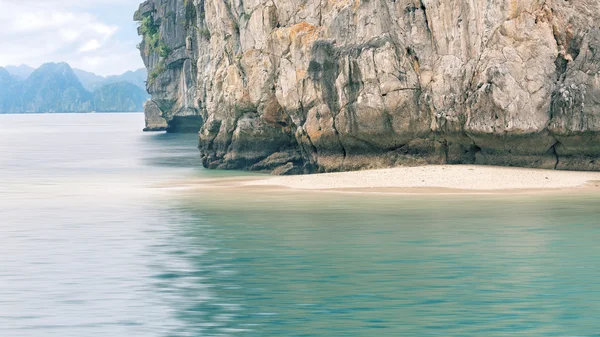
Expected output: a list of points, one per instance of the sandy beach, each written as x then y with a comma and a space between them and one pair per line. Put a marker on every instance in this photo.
426, 179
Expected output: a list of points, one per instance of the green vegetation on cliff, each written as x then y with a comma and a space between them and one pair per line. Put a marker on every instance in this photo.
150, 29
158, 69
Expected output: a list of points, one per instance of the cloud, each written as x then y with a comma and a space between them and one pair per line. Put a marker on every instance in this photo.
96, 35
91, 45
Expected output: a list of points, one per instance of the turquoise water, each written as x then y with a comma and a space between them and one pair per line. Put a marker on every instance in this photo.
93, 244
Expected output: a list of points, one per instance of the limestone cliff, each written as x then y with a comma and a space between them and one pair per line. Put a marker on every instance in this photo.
294, 86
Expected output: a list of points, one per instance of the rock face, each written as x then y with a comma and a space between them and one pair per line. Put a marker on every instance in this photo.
296, 86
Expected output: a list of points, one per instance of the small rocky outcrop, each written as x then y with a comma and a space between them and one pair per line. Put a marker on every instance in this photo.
301, 86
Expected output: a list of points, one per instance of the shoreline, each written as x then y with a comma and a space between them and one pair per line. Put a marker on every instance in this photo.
427, 180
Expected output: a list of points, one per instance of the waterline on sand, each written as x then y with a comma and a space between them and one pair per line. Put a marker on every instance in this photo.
442, 179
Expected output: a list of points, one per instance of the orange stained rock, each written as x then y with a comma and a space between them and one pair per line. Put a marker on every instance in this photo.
300, 74
302, 27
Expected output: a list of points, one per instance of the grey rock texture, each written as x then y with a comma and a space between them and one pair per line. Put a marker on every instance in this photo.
297, 86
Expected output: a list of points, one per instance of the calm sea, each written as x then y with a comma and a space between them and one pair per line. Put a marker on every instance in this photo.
92, 243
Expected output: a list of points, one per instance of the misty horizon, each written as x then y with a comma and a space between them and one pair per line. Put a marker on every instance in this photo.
24, 66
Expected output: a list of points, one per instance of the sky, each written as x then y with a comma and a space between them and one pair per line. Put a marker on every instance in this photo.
94, 35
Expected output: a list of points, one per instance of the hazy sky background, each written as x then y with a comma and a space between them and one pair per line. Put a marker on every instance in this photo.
94, 35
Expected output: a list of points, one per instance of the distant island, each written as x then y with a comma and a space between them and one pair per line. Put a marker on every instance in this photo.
56, 87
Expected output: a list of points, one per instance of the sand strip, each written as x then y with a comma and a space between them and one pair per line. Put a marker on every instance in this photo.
442, 179
436, 179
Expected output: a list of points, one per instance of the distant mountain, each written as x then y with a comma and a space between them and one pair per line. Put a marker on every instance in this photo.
119, 97
137, 77
89, 80
55, 87
20, 72
92, 81
5, 78
8, 86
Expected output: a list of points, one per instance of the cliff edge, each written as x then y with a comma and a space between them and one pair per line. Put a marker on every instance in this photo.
299, 86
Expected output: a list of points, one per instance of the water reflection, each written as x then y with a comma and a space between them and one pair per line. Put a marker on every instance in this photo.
91, 245
346, 266
171, 150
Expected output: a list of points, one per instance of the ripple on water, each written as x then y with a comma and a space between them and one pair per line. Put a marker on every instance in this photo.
90, 246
